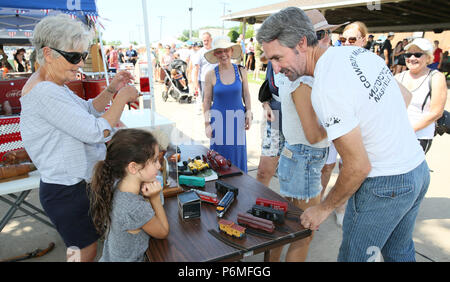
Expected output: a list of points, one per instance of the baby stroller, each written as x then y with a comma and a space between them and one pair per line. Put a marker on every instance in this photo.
173, 85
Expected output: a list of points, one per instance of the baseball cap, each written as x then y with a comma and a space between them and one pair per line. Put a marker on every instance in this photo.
320, 22
424, 45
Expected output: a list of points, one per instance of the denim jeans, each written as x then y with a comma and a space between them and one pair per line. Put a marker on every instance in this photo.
381, 216
300, 169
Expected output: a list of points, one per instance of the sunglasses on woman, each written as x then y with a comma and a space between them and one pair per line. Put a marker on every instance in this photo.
417, 55
321, 33
72, 57
351, 40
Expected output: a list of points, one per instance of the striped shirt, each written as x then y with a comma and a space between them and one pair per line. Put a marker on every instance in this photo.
62, 133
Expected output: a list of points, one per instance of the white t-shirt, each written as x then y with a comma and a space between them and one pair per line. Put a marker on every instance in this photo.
205, 66
353, 87
292, 125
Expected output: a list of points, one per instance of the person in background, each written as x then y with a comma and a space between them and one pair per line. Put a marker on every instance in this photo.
370, 45
423, 111
113, 60
201, 68
65, 135
121, 56
126, 199
437, 57
386, 50
20, 63
249, 64
225, 87
132, 55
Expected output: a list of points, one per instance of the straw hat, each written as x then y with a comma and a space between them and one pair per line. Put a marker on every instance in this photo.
222, 42
320, 22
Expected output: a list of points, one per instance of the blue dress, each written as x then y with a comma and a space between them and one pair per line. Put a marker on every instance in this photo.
228, 121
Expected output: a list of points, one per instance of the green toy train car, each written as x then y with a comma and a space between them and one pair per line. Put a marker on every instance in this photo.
191, 181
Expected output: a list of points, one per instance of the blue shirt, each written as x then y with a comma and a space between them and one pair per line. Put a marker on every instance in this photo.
62, 133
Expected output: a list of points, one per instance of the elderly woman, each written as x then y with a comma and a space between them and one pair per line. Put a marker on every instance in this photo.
65, 135
227, 119
421, 81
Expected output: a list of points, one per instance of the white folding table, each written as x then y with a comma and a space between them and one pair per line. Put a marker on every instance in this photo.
23, 186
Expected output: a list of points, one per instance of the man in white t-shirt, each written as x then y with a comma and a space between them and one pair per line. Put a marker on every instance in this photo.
201, 65
384, 174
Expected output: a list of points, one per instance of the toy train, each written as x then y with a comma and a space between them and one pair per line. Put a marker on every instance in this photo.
223, 187
207, 197
225, 203
231, 228
277, 205
255, 222
191, 181
274, 215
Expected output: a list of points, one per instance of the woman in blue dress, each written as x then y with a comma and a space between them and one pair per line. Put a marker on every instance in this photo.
226, 87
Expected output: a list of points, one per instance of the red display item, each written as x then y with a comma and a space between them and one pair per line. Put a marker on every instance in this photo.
144, 82
216, 160
93, 87
77, 87
276, 205
11, 90
10, 138
256, 222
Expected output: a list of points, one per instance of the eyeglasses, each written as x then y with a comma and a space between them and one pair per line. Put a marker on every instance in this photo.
221, 51
72, 57
417, 55
351, 40
321, 33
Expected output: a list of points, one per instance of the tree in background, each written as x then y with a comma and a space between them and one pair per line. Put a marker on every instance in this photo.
185, 35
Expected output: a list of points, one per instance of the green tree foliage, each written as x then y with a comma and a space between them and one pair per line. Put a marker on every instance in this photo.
185, 35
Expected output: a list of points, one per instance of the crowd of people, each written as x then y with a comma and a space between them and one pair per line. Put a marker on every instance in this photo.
323, 101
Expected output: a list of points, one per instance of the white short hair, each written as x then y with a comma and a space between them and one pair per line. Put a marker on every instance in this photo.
60, 32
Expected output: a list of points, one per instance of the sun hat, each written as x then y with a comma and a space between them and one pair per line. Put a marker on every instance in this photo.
320, 22
424, 45
223, 42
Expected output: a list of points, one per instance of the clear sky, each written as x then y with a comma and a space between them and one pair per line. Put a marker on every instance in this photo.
124, 21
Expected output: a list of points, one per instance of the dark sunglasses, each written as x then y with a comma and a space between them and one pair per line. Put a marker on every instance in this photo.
321, 33
72, 57
417, 55
351, 40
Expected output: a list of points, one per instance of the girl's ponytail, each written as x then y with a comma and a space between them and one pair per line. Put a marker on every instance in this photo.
101, 195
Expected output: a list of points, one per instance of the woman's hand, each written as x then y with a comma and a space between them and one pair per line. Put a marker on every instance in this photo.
151, 190
268, 112
128, 94
248, 119
120, 80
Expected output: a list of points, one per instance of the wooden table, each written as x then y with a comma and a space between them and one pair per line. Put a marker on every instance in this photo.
190, 241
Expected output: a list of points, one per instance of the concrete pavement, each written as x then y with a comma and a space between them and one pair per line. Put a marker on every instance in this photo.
24, 234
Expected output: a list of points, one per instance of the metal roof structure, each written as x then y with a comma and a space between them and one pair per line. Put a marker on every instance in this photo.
379, 15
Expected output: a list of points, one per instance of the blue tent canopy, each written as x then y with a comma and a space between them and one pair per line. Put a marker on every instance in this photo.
87, 6
25, 14
21, 16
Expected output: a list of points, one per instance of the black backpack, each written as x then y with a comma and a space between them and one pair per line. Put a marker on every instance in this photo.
443, 123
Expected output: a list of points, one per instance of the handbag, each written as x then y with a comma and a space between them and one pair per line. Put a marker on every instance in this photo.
264, 94
442, 125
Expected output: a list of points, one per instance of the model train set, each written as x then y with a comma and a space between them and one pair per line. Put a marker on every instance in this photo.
261, 219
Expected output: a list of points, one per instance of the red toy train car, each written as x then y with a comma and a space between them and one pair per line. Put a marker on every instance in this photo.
276, 205
255, 222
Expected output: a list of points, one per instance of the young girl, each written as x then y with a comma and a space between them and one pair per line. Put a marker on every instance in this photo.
121, 186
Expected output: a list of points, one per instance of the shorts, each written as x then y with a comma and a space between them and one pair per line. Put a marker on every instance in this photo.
68, 209
273, 141
300, 170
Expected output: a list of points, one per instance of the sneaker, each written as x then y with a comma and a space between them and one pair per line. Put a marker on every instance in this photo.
339, 218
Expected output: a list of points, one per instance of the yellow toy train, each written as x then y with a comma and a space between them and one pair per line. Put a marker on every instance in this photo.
231, 228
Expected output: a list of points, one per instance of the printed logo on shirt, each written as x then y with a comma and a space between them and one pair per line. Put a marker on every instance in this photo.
384, 78
331, 121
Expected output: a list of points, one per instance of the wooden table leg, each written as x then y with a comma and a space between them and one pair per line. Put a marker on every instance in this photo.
267, 256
